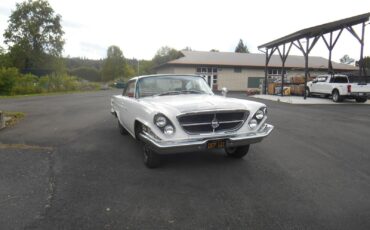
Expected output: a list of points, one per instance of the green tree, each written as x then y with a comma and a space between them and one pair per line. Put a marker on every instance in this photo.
4, 58
34, 35
346, 60
87, 73
367, 65
114, 64
241, 48
166, 54
8, 78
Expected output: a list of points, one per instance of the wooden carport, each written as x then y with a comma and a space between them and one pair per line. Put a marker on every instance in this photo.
311, 36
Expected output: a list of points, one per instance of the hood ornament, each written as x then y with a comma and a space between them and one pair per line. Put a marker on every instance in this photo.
215, 124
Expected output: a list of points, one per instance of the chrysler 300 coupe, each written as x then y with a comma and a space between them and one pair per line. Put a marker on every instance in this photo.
180, 113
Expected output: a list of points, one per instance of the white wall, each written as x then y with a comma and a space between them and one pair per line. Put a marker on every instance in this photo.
228, 78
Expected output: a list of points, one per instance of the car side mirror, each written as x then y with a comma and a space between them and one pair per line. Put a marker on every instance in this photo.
224, 91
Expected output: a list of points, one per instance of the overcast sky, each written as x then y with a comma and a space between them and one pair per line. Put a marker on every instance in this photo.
141, 27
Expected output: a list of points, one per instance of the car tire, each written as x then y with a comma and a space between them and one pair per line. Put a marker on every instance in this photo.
151, 158
237, 152
122, 129
308, 93
336, 96
361, 99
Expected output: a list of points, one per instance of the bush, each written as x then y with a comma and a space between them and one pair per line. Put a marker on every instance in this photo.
14, 83
87, 73
26, 84
8, 78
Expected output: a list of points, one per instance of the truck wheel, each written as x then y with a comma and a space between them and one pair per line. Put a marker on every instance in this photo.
336, 96
122, 129
151, 158
237, 152
361, 99
308, 93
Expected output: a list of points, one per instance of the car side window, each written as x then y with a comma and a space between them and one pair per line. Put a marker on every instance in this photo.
321, 79
130, 89
340, 80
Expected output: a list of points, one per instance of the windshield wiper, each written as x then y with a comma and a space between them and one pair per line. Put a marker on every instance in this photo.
192, 91
168, 93
179, 92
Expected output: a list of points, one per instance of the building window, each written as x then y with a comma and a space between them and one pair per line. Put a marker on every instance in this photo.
214, 79
275, 71
206, 70
237, 69
255, 82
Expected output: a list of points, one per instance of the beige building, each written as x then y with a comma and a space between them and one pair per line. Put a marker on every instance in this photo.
240, 71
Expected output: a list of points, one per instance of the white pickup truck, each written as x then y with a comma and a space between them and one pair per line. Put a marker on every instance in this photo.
339, 87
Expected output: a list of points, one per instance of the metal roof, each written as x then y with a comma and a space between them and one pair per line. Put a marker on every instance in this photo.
318, 30
231, 59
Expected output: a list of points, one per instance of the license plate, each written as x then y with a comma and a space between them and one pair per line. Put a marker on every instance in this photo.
216, 144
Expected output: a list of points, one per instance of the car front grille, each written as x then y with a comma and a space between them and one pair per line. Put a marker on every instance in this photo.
212, 121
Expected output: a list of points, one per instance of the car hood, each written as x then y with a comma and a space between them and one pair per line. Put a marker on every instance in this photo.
195, 103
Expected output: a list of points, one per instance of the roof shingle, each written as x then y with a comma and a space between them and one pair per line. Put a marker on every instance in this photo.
252, 60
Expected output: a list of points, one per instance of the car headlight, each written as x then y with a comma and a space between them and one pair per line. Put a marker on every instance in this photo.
160, 121
169, 130
260, 114
164, 124
257, 117
253, 123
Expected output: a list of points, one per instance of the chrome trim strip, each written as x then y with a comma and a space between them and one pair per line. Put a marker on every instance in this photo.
167, 147
210, 123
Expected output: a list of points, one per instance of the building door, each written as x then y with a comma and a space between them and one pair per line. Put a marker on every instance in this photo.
210, 75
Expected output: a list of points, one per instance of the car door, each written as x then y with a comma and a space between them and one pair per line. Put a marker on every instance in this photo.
318, 84
127, 97
325, 85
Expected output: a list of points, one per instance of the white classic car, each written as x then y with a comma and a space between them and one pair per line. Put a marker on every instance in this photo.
180, 113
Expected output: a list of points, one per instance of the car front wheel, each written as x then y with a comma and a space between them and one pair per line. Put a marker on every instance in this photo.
237, 152
336, 96
308, 93
151, 158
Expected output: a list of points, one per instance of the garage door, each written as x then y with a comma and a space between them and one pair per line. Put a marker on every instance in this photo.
254, 82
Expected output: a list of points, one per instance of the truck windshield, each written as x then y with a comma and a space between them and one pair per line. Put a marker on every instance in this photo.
171, 85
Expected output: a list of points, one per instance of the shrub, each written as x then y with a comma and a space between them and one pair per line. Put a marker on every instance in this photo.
87, 73
8, 78
26, 84
14, 83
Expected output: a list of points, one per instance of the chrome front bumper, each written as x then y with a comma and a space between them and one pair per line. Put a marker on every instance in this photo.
167, 147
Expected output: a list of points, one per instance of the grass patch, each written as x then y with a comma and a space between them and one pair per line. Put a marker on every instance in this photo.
14, 118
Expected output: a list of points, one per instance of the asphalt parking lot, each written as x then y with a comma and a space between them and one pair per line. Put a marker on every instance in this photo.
65, 166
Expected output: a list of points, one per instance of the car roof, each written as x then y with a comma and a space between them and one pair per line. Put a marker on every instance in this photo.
329, 75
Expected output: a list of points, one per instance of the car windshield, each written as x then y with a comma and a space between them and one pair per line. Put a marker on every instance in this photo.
171, 85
